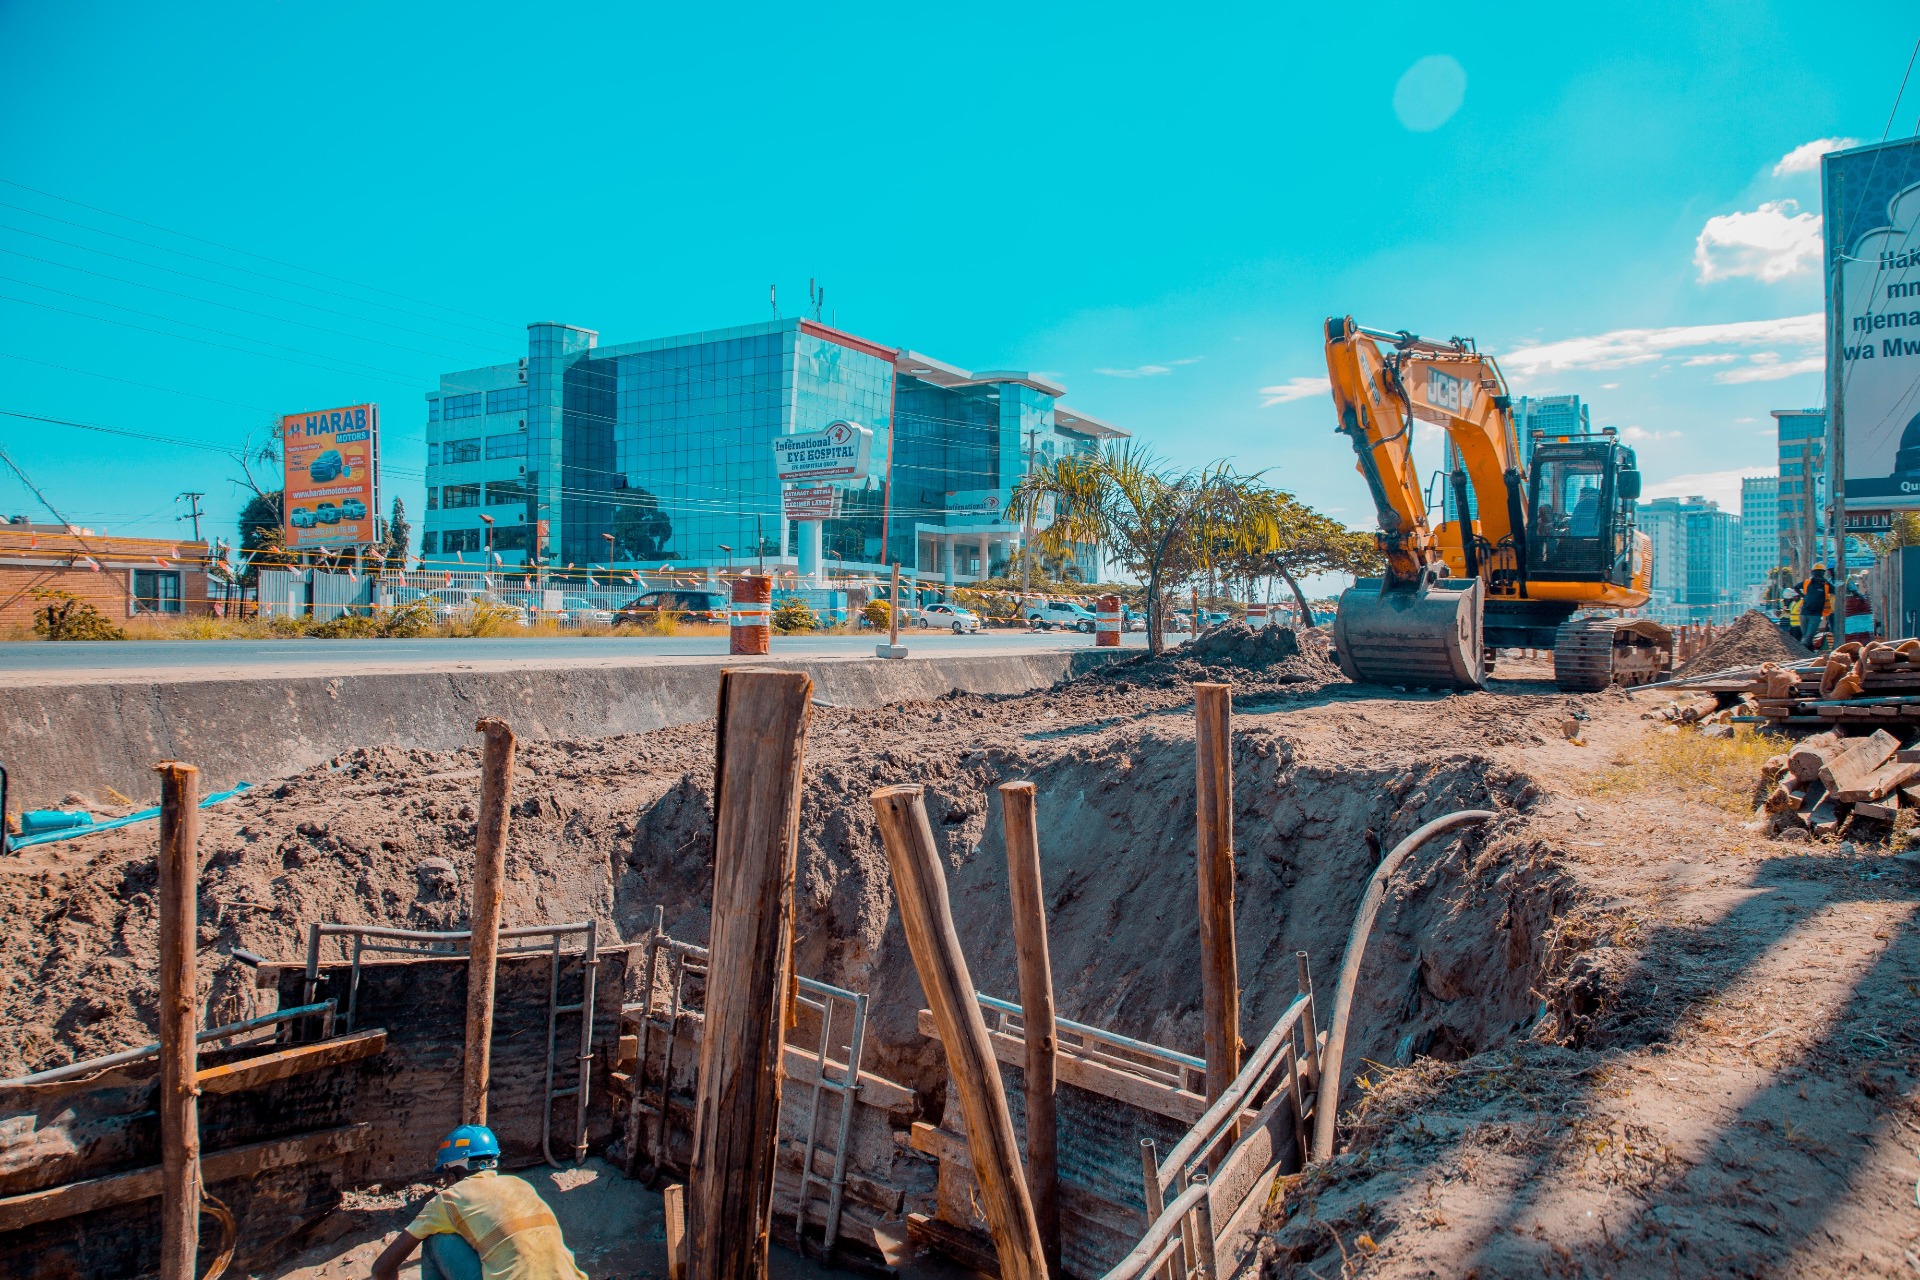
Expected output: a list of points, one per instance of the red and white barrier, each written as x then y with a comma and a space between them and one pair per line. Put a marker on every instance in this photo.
750, 616
1106, 622
1257, 616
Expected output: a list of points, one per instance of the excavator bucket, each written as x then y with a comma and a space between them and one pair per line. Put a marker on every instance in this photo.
1426, 636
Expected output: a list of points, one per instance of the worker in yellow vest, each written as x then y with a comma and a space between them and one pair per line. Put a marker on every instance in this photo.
485, 1226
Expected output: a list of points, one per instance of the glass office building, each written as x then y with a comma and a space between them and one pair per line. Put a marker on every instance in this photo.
660, 452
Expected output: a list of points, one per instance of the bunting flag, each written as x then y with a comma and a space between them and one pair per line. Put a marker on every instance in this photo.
162, 563
449, 576
173, 553
92, 563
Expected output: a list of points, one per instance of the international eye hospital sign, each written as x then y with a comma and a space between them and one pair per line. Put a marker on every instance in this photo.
1873, 221
813, 461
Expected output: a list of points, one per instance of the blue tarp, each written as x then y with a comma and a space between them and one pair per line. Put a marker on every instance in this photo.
145, 815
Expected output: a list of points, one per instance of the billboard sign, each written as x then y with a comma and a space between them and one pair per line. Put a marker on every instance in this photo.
331, 478
815, 502
1873, 214
844, 451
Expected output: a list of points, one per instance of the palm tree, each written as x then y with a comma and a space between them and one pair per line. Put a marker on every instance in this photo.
1162, 527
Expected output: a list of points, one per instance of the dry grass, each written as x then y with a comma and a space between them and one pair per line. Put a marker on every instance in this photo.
1724, 772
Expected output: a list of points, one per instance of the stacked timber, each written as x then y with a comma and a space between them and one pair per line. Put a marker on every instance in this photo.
1826, 779
1872, 685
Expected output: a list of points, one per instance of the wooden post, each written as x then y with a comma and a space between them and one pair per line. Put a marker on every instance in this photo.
893, 610
736, 1114
483, 949
1036, 1010
921, 890
1219, 959
673, 1207
179, 866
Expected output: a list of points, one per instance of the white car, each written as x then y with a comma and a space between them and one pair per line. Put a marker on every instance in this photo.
1059, 613
943, 614
578, 611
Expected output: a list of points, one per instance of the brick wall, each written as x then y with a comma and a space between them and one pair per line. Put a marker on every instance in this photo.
53, 563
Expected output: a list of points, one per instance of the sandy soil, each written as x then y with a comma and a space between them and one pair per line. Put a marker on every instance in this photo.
1618, 1033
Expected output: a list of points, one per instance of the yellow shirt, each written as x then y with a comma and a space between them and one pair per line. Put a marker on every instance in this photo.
506, 1222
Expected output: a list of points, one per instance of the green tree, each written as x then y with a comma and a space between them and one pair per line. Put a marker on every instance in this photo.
1161, 526
641, 530
262, 541
1306, 542
399, 534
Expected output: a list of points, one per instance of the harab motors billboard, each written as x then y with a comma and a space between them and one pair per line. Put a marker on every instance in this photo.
1872, 199
331, 480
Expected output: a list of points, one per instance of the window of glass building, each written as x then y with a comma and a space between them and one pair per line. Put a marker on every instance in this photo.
433, 410
502, 493
511, 400
433, 455
507, 446
461, 451
433, 498
429, 543
467, 406
460, 495
452, 540
512, 537
156, 591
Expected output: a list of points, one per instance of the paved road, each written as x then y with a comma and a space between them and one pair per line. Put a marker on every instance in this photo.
39, 662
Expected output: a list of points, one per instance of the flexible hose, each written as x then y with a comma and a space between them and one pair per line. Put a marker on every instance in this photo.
1327, 1106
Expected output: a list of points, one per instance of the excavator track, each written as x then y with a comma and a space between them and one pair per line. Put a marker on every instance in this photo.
1593, 652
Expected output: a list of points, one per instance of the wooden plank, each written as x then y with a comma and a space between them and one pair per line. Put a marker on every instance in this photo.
1213, 835
1810, 755
17, 1212
1021, 827
760, 750
1857, 760
926, 916
249, 1072
483, 947
178, 1100
1095, 1077
673, 1207
956, 1243
1885, 779
1879, 811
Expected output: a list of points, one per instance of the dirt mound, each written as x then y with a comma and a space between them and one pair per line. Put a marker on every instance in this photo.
1233, 652
1750, 641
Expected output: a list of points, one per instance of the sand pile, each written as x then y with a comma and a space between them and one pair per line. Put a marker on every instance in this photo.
1750, 641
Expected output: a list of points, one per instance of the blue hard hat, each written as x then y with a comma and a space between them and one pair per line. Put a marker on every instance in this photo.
468, 1142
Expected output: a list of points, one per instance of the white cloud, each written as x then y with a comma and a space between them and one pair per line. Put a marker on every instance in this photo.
1295, 389
1640, 435
1769, 243
1622, 347
1805, 158
1725, 357
1720, 486
1149, 370
1772, 370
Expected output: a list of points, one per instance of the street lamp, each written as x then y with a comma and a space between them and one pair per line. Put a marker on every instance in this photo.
729, 550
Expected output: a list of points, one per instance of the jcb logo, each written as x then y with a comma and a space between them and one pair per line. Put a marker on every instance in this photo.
1444, 391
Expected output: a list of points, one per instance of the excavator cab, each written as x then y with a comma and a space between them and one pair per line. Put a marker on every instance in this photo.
1580, 500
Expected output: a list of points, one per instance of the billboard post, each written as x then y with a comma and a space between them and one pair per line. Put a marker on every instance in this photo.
331, 479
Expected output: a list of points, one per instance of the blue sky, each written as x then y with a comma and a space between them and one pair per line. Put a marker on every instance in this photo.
1157, 207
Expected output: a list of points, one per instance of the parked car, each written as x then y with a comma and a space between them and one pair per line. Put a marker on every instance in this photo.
353, 509
693, 606
1059, 613
327, 513
578, 611
1216, 617
943, 614
1133, 619
300, 518
448, 601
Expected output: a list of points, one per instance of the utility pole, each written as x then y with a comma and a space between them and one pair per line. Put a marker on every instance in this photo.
1026, 525
193, 511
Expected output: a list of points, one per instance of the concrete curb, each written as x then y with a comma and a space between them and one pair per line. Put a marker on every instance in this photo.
56, 738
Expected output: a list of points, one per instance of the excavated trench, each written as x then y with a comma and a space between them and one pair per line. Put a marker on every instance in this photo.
1453, 965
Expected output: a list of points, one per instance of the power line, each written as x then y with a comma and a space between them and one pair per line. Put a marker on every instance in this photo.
249, 253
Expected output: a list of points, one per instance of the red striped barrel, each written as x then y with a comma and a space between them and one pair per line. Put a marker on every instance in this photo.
750, 615
1106, 622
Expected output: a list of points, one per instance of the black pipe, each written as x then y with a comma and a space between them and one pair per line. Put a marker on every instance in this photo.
1465, 514
1516, 519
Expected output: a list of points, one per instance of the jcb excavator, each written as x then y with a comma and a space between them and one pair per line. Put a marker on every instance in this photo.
1531, 544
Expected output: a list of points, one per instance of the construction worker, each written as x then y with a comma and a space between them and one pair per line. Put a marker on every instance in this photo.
485, 1225
1816, 602
1791, 599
